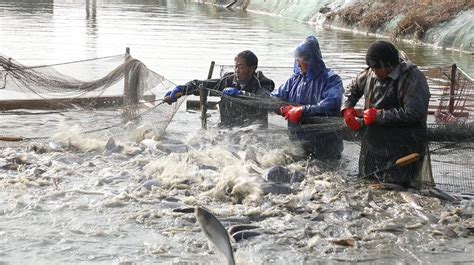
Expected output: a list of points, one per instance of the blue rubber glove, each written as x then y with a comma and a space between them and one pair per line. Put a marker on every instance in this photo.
173, 95
232, 91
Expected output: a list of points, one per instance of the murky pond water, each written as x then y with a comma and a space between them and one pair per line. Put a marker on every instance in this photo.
75, 202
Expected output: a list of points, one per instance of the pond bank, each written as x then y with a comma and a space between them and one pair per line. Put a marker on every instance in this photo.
443, 23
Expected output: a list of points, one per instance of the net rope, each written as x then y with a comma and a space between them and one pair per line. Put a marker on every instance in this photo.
450, 138
113, 92
134, 87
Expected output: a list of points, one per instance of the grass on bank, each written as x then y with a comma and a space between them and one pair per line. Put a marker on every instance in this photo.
416, 16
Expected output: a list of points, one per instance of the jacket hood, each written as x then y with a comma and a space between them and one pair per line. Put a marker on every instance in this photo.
309, 52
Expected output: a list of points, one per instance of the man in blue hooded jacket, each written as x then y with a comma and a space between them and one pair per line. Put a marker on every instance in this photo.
313, 90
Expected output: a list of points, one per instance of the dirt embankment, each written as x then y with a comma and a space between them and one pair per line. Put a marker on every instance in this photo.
414, 18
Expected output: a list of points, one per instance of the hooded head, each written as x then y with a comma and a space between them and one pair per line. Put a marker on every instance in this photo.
309, 53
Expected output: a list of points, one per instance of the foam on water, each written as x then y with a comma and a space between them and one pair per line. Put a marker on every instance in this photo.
82, 204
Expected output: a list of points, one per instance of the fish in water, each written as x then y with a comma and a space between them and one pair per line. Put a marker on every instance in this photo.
245, 234
245, 231
149, 184
275, 188
112, 147
442, 195
215, 232
392, 228
386, 186
411, 200
236, 228
279, 174
20, 160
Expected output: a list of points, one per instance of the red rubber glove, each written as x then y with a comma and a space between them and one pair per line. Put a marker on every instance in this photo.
350, 118
294, 114
284, 110
370, 116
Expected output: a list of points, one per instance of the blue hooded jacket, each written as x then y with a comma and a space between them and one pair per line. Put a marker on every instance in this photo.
320, 90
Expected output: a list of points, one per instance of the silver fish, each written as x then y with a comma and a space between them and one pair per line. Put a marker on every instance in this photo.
442, 195
420, 211
411, 200
237, 228
112, 147
245, 234
216, 234
392, 228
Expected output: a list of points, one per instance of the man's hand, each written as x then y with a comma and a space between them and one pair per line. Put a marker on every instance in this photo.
284, 110
292, 113
231, 91
350, 118
173, 95
370, 116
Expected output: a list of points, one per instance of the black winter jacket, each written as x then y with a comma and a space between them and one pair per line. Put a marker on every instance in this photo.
235, 111
400, 127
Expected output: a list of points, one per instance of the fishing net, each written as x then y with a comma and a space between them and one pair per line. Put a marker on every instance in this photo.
453, 90
449, 142
112, 94
451, 132
452, 156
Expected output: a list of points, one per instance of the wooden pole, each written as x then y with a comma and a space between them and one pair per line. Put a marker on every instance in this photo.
87, 9
130, 95
452, 89
231, 4
11, 138
203, 94
401, 162
65, 103
126, 77
8, 68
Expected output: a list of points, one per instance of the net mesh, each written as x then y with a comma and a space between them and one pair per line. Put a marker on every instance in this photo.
113, 94
116, 94
449, 142
451, 131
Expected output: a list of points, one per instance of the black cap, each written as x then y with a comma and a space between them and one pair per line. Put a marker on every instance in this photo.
382, 54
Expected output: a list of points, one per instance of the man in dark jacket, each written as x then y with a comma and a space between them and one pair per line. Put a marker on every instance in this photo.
245, 80
394, 118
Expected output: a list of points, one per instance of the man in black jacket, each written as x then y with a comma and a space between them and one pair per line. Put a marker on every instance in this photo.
245, 80
395, 113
